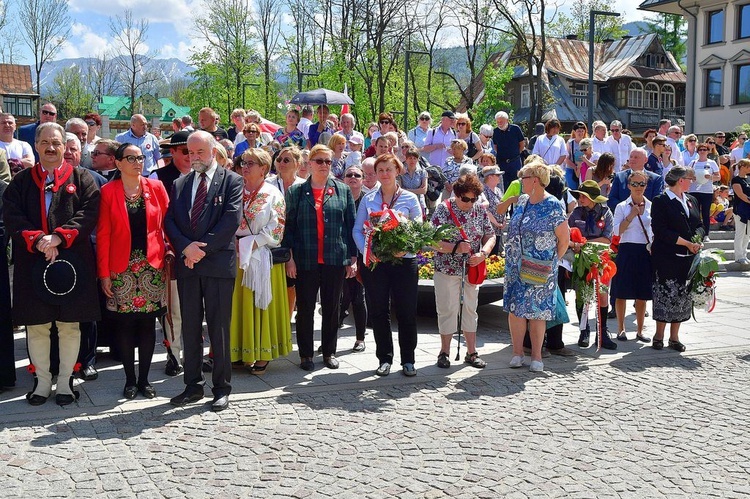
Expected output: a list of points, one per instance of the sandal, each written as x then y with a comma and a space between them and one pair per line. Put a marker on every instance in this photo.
657, 344
676, 345
473, 360
443, 361
621, 336
258, 370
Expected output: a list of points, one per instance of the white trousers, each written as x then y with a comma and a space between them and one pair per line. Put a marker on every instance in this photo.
741, 238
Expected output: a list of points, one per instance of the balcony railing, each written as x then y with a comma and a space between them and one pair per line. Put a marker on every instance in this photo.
649, 118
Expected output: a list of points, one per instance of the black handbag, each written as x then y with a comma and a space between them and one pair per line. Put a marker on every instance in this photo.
281, 255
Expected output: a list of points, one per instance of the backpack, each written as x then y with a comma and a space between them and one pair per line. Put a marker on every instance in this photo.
435, 182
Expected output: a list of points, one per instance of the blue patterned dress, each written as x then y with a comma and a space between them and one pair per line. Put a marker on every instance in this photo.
536, 224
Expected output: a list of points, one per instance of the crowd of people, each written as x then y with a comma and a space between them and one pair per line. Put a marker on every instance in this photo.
248, 229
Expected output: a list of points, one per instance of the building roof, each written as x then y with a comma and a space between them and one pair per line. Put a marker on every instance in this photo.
118, 108
666, 6
16, 79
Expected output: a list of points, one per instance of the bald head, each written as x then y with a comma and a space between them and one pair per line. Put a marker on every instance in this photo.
637, 159
138, 125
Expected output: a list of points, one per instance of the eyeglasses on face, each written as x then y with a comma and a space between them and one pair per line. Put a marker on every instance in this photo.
461, 124
99, 153
691, 140
385, 122
91, 123
702, 149
467, 199
353, 175
710, 143
134, 159
248, 164
424, 118
637, 184
319, 161
615, 130
49, 113
527, 176
252, 131
284, 160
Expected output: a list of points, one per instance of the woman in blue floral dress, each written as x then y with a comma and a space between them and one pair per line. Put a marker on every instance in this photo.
538, 229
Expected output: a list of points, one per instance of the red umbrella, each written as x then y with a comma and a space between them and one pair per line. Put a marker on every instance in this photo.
268, 126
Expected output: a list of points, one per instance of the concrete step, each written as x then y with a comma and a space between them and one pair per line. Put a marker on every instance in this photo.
722, 244
721, 235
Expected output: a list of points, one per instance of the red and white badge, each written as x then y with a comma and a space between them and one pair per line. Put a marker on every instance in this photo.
330, 191
71, 188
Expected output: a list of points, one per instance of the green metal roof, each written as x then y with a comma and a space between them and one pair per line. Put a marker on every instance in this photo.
118, 108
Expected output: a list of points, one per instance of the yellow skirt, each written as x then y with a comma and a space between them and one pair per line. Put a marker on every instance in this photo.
256, 334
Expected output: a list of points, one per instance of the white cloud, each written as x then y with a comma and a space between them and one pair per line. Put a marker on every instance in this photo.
83, 43
182, 51
179, 13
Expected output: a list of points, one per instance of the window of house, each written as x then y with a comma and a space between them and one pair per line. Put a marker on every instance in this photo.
621, 95
17, 106
667, 97
742, 84
743, 21
635, 94
9, 105
714, 78
651, 96
715, 26
580, 95
525, 95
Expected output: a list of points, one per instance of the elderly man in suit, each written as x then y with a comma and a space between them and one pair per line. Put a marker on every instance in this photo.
204, 213
620, 189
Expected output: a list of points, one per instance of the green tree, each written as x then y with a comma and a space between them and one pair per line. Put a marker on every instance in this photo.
495, 79
577, 23
70, 94
672, 31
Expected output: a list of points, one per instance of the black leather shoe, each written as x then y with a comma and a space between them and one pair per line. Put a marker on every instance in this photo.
657, 344
607, 343
306, 364
89, 373
331, 362
35, 399
221, 403
186, 397
676, 345
64, 399
583, 339
130, 392
173, 368
147, 391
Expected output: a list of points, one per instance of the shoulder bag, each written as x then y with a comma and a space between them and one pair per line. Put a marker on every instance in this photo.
533, 271
477, 273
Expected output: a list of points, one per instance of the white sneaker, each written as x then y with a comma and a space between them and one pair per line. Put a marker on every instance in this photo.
743, 261
536, 366
516, 361
706, 239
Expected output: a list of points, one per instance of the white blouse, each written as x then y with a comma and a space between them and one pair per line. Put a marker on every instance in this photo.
634, 232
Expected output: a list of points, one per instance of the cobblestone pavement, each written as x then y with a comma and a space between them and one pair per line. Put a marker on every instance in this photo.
636, 424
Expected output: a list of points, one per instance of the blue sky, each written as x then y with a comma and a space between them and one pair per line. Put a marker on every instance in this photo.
171, 24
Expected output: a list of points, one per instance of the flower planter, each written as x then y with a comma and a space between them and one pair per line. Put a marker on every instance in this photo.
490, 291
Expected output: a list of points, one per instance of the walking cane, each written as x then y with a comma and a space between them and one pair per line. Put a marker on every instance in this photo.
461, 308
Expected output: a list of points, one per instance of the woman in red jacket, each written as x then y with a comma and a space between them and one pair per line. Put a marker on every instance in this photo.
130, 262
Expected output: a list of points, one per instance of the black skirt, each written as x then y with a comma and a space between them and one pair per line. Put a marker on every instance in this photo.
633, 280
672, 300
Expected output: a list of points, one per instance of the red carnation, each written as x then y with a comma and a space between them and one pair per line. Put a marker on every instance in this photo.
576, 236
390, 225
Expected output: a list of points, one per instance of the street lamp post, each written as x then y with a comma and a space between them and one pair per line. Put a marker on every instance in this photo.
299, 79
592, 20
406, 84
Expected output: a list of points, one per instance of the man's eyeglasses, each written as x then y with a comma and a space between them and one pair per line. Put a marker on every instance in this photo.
353, 175
134, 159
48, 113
319, 161
638, 184
467, 199
615, 130
99, 153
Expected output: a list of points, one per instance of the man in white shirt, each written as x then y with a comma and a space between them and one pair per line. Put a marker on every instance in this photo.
370, 182
599, 140
305, 122
550, 146
619, 145
738, 152
438, 141
673, 135
14, 148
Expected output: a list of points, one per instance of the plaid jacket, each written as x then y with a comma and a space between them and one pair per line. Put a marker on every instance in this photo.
301, 229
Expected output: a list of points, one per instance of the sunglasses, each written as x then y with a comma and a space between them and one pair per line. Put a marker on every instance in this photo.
710, 143
252, 131
353, 175
91, 123
385, 122
48, 113
703, 149
615, 130
284, 160
133, 159
466, 199
99, 153
691, 140
741, 138
638, 184
424, 118
319, 161
527, 176
461, 124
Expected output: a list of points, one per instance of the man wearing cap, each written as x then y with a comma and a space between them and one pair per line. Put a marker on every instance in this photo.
418, 134
138, 135
507, 143
355, 145
620, 190
179, 167
50, 211
347, 129
438, 140
655, 163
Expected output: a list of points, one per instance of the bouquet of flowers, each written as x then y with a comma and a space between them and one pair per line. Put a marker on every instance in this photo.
388, 233
592, 268
495, 266
702, 278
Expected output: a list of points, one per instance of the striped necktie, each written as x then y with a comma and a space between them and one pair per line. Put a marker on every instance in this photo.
199, 203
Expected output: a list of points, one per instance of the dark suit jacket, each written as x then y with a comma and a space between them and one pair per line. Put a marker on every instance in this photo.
216, 226
301, 229
669, 222
654, 165
620, 190
27, 133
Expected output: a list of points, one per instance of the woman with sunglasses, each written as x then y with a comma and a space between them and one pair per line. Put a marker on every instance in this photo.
389, 279
319, 222
260, 330
676, 221
705, 171
287, 162
633, 280
252, 140
130, 263
713, 153
538, 229
464, 132
690, 153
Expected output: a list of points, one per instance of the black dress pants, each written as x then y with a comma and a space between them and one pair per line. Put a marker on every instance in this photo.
328, 279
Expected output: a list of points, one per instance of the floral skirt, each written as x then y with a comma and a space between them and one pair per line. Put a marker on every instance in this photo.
139, 289
672, 300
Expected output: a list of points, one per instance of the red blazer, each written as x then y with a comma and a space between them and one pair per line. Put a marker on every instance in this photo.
113, 230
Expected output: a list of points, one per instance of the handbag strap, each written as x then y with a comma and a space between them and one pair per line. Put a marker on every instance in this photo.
643, 228
448, 204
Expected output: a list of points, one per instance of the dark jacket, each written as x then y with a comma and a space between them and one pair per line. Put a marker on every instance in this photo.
72, 215
216, 226
301, 229
620, 190
669, 222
